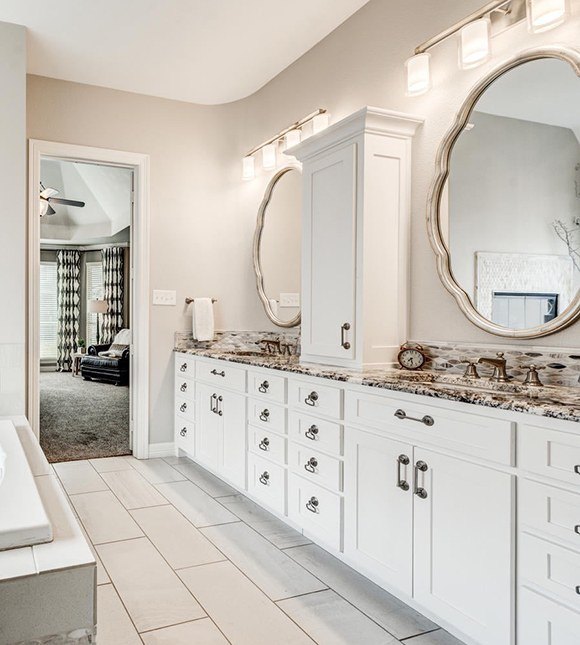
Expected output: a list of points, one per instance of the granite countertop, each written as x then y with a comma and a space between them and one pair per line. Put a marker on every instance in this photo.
548, 401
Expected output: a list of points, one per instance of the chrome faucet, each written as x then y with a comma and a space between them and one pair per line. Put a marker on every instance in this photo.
499, 367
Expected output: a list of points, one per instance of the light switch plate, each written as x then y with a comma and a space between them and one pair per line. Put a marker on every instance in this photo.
164, 298
289, 300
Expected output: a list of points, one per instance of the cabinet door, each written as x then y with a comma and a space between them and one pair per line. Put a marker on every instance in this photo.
463, 539
232, 453
208, 426
329, 255
378, 509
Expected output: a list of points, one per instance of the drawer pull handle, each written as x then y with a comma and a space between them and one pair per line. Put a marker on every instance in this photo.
264, 444
264, 478
264, 387
419, 491
183, 367
265, 415
577, 469
311, 433
212, 399
216, 373
218, 406
311, 399
402, 460
578, 589
311, 465
577, 529
183, 432
312, 505
183, 387
345, 344
183, 407
427, 420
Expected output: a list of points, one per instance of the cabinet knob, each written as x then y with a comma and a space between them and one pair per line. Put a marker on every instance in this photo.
311, 433
311, 399
183, 387
265, 415
183, 367
577, 529
577, 469
264, 478
216, 373
183, 431
183, 407
312, 505
264, 444
264, 387
420, 466
344, 328
578, 589
311, 465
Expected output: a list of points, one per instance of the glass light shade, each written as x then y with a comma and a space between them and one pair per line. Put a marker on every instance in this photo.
320, 122
292, 139
474, 43
546, 14
418, 74
269, 157
248, 171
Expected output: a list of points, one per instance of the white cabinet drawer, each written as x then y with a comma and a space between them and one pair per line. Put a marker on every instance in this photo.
185, 408
268, 416
267, 444
184, 435
316, 510
549, 510
554, 569
267, 386
550, 453
462, 432
315, 466
185, 365
543, 622
267, 482
319, 433
184, 387
221, 374
312, 397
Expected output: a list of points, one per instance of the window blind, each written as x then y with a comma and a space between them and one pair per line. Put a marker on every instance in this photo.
94, 292
48, 311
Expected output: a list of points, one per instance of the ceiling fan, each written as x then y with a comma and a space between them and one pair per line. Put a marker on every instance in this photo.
48, 196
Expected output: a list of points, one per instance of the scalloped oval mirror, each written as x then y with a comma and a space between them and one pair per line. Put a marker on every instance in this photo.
504, 216
277, 247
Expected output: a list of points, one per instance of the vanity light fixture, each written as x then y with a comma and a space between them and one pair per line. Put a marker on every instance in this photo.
546, 14
320, 122
269, 156
248, 170
475, 43
418, 74
292, 138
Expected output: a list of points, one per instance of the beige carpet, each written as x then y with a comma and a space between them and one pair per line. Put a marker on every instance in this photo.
82, 419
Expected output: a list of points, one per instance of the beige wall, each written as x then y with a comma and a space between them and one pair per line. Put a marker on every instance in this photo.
202, 214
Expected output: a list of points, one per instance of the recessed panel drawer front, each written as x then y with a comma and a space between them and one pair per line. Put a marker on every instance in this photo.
184, 365
316, 510
554, 569
266, 415
469, 434
550, 453
267, 482
543, 622
184, 387
318, 433
315, 466
185, 408
185, 435
221, 374
314, 398
269, 387
549, 510
267, 444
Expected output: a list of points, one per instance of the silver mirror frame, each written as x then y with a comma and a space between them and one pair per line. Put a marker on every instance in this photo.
256, 248
572, 312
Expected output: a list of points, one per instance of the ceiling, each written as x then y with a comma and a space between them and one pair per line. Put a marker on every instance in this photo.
201, 51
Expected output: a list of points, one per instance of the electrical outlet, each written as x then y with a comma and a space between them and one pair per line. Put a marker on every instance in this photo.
164, 298
289, 300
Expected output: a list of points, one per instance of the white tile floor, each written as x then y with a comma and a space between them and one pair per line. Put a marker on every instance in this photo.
183, 558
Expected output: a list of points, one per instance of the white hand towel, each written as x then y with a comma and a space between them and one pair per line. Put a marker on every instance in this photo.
203, 323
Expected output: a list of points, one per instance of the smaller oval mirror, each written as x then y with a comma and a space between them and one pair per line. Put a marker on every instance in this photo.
277, 247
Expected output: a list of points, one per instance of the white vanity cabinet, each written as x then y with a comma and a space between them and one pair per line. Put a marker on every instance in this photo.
355, 224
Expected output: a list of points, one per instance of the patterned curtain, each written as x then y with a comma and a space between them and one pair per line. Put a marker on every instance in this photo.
113, 273
68, 301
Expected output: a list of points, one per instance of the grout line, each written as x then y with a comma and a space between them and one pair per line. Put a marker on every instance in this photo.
431, 631
301, 595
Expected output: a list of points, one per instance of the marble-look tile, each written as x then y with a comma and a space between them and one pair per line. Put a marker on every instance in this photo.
155, 471
114, 627
102, 575
211, 484
110, 464
104, 518
331, 620
198, 632
132, 490
242, 612
79, 477
390, 613
178, 541
268, 525
199, 508
438, 637
152, 593
277, 575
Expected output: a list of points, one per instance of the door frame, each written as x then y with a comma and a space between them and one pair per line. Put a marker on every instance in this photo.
139, 277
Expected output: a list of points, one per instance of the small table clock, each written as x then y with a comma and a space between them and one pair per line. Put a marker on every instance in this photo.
411, 356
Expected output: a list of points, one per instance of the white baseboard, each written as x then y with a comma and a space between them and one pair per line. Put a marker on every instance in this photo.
166, 449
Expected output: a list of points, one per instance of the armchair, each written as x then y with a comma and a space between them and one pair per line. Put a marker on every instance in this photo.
113, 369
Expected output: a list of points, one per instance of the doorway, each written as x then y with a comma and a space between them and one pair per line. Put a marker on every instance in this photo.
88, 304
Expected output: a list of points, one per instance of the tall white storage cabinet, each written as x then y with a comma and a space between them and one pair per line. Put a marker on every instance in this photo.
355, 244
